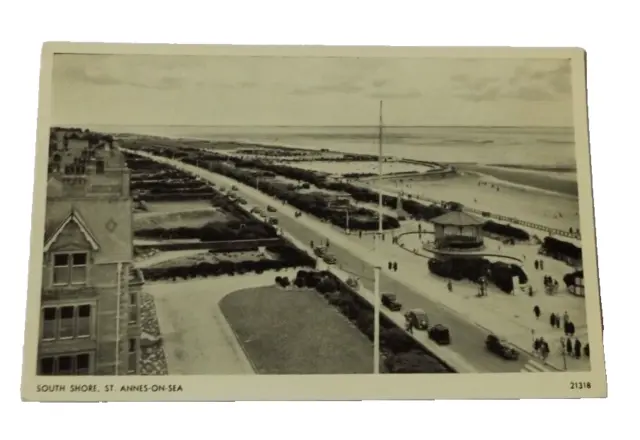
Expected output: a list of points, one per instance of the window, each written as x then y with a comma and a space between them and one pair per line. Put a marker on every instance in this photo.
70, 268
100, 167
84, 321
49, 323
66, 322
133, 308
66, 330
133, 356
65, 365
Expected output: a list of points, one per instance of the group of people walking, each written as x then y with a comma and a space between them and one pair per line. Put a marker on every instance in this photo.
393, 266
569, 345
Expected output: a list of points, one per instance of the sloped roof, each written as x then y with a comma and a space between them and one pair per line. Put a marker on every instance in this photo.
108, 220
73, 216
456, 218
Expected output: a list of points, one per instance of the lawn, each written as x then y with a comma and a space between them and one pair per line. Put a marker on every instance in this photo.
208, 257
195, 218
295, 332
341, 167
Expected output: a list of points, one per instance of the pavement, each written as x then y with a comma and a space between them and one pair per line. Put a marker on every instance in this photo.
357, 258
197, 337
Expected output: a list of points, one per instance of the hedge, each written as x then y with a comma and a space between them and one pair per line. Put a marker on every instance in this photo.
457, 268
289, 256
560, 249
403, 353
505, 230
212, 232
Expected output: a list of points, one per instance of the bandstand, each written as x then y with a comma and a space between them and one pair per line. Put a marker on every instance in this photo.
457, 230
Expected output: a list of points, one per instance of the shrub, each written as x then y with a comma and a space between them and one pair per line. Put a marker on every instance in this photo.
413, 362
364, 322
505, 230
327, 285
396, 340
279, 280
284, 282
561, 250
570, 278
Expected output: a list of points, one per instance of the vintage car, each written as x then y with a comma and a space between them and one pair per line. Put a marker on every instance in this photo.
242, 201
390, 301
234, 188
272, 221
271, 209
319, 251
329, 259
501, 347
417, 318
255, 210
440, 334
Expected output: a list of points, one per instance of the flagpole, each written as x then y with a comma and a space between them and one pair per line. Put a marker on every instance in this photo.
376, 269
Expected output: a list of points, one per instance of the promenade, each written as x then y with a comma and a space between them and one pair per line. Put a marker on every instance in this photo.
469, 318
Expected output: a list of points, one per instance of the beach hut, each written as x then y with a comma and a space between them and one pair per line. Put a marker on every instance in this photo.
459, 230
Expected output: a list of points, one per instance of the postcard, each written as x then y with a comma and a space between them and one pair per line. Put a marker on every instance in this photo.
220, 223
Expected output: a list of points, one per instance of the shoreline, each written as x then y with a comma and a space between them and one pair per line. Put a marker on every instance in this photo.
526, 177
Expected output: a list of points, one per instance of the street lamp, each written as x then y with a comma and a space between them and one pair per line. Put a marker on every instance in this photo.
564, 352
376, 270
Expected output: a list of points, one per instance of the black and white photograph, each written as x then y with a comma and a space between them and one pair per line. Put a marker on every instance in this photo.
267, 213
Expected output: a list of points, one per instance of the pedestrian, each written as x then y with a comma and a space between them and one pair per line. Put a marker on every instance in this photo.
565, 325
530, 291
577, 348
545, 350
572, 329
535, 264
536, 345
568, 347
586, 350
557, 321
395, 266
390, 265
408, 325
536, 311
552, 319
565, 316
449, 286
541, 265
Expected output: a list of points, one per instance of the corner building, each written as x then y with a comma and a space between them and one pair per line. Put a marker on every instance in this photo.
90, 302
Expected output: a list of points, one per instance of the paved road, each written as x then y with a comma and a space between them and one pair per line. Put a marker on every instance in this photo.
468, 339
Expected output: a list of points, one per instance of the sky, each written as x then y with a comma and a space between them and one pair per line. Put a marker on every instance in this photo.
286, 91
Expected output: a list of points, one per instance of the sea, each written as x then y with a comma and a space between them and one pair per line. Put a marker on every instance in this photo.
547, 147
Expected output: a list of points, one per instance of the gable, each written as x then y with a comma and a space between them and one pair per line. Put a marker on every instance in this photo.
72, 234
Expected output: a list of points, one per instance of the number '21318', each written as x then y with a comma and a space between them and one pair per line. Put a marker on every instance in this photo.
580, 385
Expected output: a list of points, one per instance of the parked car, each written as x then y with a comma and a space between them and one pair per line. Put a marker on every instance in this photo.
329, 259
234, 188
242, 201
271, 209
440, 334
272, 221
319, 251
417, 318
255, 210
390, 301
501, 347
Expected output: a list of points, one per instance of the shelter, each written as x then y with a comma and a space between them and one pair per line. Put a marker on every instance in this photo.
458, 230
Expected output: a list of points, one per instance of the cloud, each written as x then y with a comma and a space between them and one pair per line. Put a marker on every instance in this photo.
113, 71
532, 80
